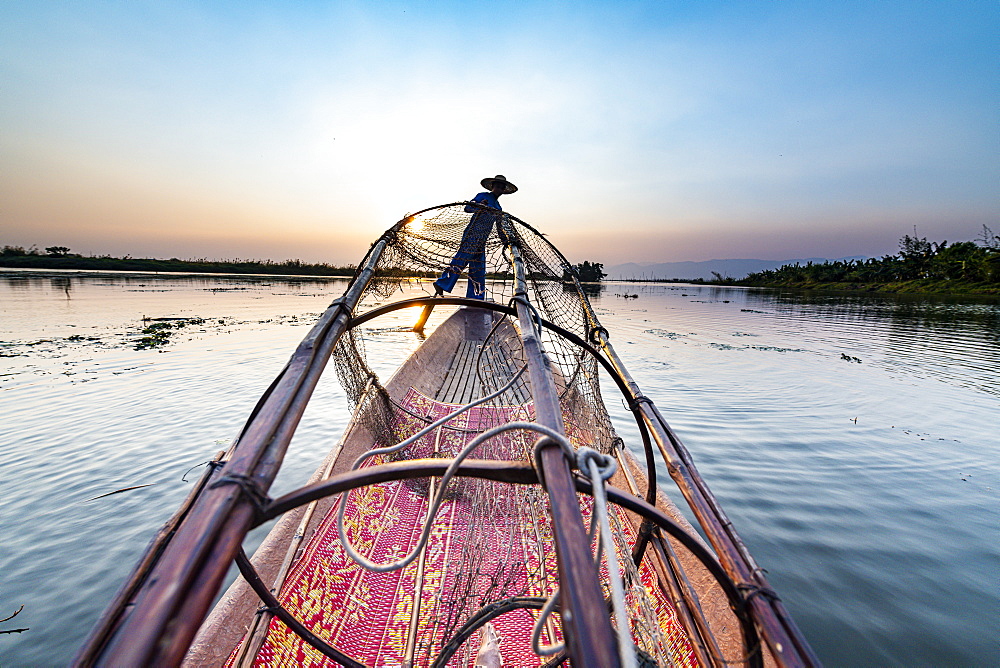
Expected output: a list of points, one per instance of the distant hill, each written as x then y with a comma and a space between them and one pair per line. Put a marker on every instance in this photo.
704, 269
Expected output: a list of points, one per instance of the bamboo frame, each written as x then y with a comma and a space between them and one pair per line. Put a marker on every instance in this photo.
786, 642
590, 639
156, 614
695, 627
519, 474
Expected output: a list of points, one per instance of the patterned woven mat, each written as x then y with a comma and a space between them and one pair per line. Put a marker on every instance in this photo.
367, 615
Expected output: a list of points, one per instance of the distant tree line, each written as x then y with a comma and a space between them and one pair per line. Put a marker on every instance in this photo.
60, 257
976, 262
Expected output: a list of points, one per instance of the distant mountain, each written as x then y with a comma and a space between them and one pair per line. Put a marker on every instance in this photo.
704, 269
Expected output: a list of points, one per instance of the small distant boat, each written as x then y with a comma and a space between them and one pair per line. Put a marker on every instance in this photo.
479, 510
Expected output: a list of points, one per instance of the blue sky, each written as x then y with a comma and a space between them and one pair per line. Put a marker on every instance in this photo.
642, 131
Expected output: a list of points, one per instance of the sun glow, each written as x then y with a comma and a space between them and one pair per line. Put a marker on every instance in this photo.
415, 225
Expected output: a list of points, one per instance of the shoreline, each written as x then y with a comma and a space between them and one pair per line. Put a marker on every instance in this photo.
153, 265
57, 272
914, 287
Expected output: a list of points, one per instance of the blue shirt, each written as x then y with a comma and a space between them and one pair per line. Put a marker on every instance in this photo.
482, 223
487, 198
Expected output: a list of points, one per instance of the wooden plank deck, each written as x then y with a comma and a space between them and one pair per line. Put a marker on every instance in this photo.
462, 382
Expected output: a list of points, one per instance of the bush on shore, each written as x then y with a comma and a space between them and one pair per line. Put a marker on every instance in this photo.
966, 266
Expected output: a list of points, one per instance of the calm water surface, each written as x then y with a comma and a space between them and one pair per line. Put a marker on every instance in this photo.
868, 490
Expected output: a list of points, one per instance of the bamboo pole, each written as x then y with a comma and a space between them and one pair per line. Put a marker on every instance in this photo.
672, 579
258, 632
181, 587
590, 639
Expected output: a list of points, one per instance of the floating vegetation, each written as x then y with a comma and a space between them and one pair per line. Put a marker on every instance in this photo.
155, 333
750, 310
159, 332
773, 349
663, 333
281, 320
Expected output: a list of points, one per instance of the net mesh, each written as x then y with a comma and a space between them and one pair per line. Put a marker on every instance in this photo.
428, 244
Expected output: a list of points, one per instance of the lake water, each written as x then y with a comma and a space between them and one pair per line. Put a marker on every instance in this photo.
868, 489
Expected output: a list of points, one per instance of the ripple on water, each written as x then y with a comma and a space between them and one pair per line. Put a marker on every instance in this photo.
869, 491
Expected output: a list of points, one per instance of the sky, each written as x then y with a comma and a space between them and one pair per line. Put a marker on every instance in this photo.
636, 131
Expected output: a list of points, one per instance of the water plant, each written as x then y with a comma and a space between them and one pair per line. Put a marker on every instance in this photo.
157, 334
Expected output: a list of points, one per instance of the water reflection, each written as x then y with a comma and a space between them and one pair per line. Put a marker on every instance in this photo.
63, 283
66, 279
589, 289
845, 479
952, 338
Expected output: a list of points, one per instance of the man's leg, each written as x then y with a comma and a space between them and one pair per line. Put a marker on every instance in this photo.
446, 282
477, 276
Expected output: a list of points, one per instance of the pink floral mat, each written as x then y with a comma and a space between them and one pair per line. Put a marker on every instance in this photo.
366, 615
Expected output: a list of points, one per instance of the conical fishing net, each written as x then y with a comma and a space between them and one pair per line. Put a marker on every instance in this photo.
426, 244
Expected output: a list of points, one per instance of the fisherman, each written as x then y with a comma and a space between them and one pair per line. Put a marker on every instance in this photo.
472, 251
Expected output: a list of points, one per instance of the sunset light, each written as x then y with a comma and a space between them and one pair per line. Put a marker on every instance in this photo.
704, 368
696, 131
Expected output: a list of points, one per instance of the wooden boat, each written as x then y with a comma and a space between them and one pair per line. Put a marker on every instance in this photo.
479, 509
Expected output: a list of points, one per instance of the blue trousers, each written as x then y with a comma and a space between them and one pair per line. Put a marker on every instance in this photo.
475, 260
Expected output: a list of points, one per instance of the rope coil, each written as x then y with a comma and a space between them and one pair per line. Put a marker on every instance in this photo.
753, 590
638, 400
439, 496
249, 487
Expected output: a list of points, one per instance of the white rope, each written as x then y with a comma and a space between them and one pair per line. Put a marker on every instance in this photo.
438, 498
601, 467
434, 425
